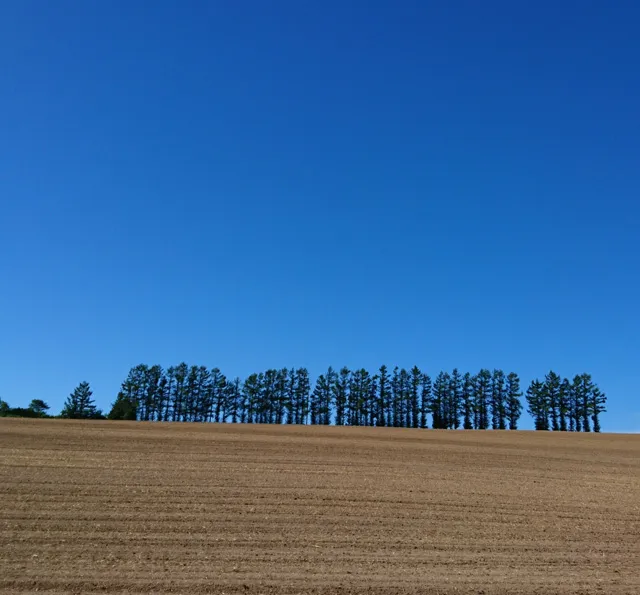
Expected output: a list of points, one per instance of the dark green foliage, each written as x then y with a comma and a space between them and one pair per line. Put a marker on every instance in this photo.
440, 400
513, 405
35, 409
467, 402
454, 400
405, 398
384, 396
39, 407
341, 396
123, 408
552, 395
416, 409
481, 394
426, 400
537, 405
80, 405
597, 406
498, 397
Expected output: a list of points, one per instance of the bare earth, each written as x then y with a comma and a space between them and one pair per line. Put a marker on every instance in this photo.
186, 508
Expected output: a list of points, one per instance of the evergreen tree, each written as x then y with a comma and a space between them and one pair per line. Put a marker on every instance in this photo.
396, 408
384, 392
301, 392
570, 401
80, 405
341, 396
425, 400
551, 388
218, 394
372, 400
123, 408
233, 399
467, 402
513, 404
404, 397
538, 406
481, 394
251, 390
455, 400
498, 396
39, 407
598, 402
416, 380
439, 400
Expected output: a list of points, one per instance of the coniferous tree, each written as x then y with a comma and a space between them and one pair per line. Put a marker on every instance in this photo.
439, 400
455, 400
384, 392
551, 388
481, 394
123, 408
327, 396
404, 397
341, 396
467, 401
233, 398
598, 401
39, 407
251, 390
80, 405
302, 393
537, 405
513, 404
372, 400
498, 396
218, 393
425, 400
416, 380
569, 399
396, 397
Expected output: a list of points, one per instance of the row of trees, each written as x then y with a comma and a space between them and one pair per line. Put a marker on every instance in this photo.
562, 405
397, 398
79, 405
37, 408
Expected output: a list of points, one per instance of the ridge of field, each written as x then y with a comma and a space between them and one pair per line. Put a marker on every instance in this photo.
125, 507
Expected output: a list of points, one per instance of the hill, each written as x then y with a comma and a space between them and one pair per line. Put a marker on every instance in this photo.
125, 507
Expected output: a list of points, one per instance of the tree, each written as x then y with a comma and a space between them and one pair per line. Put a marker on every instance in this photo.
341, 396
123, 408
598, 401
455, 400
583, 388
551, 388
467, 401
80, 405
39, 407
384, 392
513, 405
301, 393
537, 402
425, 400
498, 396
481, 394
416, 379
439, 406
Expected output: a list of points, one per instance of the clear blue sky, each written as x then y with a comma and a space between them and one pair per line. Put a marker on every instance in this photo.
266, 184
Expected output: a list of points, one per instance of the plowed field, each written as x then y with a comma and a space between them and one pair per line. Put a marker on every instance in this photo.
185, 508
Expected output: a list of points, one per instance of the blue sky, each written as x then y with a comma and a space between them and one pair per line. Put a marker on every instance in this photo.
265, 184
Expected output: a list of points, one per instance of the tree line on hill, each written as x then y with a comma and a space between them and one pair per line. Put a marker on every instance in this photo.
397, 398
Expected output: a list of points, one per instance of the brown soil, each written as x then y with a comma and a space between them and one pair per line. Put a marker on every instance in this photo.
186, 508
